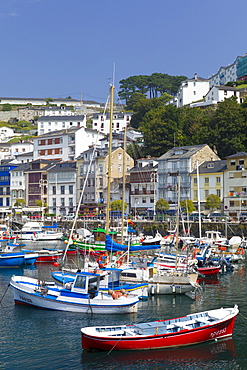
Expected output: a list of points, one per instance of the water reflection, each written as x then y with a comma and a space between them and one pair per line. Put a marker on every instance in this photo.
193, 356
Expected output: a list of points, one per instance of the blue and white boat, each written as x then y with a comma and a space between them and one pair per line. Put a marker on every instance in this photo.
12, 259
110, 280
82, 295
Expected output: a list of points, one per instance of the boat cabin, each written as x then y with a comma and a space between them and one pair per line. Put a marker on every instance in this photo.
85, 283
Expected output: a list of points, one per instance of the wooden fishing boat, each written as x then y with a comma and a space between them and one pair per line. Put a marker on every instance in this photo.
188, 330
82, 295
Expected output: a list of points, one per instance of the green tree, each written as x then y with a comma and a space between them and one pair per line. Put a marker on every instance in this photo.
187, 205
20, 203
155, 85
227, 128
162, 205
116, 205
212, 202
6, 107
159, 127
48, 101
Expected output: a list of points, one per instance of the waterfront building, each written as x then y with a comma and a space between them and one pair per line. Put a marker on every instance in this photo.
143, 186
235, 180
180, 161
61, 184
18, 183
210, 177
95, 189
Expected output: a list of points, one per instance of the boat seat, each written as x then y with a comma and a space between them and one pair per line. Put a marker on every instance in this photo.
202, 320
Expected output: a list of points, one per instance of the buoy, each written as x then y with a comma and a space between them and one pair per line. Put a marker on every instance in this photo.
56, 264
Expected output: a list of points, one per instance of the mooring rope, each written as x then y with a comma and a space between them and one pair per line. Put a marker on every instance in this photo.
5, 292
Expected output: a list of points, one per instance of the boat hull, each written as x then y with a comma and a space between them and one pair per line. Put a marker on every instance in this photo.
11, 259
26, 293
184, 337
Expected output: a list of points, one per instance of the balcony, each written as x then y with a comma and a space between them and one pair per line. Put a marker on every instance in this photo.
173, 173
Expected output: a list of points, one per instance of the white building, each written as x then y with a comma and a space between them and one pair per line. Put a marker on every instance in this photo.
6, 133
190, 90
51, 123
22, 147
65, 144
17, 183
218, 94
101, 122
62, 188
224, 75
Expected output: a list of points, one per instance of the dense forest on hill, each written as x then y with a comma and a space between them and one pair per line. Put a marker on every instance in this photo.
223, 127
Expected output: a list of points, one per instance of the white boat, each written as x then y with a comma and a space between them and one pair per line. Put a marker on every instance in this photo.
49, 235
30, 230
160, 281
110, 279
82, 295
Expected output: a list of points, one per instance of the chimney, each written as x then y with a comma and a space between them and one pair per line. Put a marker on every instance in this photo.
195, 76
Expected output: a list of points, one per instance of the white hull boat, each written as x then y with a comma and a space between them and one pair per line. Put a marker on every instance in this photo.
80, 296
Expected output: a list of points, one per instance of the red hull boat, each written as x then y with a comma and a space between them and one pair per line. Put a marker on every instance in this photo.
209, 270
188, 330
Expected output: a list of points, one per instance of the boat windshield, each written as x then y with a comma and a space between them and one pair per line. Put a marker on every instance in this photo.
80, 282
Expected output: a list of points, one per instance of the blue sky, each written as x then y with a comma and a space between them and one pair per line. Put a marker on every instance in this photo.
57, 48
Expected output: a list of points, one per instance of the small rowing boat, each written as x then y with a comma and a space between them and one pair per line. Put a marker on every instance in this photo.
183, 331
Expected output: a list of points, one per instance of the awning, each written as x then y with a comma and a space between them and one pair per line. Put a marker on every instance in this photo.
4, 209
32, 209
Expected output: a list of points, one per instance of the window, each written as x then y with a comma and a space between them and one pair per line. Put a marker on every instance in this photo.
232, 163
54, 202
62, 188
144, 200
54, 190
206, 180
218, 179
119, 168
195, 180
71, 202
231, 175
218, 192
206, 193
195, 194
231, 203
241, 162
71, 189
62, 202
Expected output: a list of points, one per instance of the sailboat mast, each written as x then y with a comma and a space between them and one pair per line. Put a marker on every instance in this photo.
109, 162
199, 200
124, 180
177, 228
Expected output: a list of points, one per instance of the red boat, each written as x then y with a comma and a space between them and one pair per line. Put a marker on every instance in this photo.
209, 270
191, 329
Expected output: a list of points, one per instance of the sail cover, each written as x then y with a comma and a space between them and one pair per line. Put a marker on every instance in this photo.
112, 246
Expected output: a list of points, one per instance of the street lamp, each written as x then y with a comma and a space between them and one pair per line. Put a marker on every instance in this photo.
42, 183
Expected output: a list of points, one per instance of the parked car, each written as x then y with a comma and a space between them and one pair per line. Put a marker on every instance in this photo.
243, 217
217, 216
194, 216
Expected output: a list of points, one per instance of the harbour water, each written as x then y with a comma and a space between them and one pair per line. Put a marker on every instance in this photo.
39, 339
